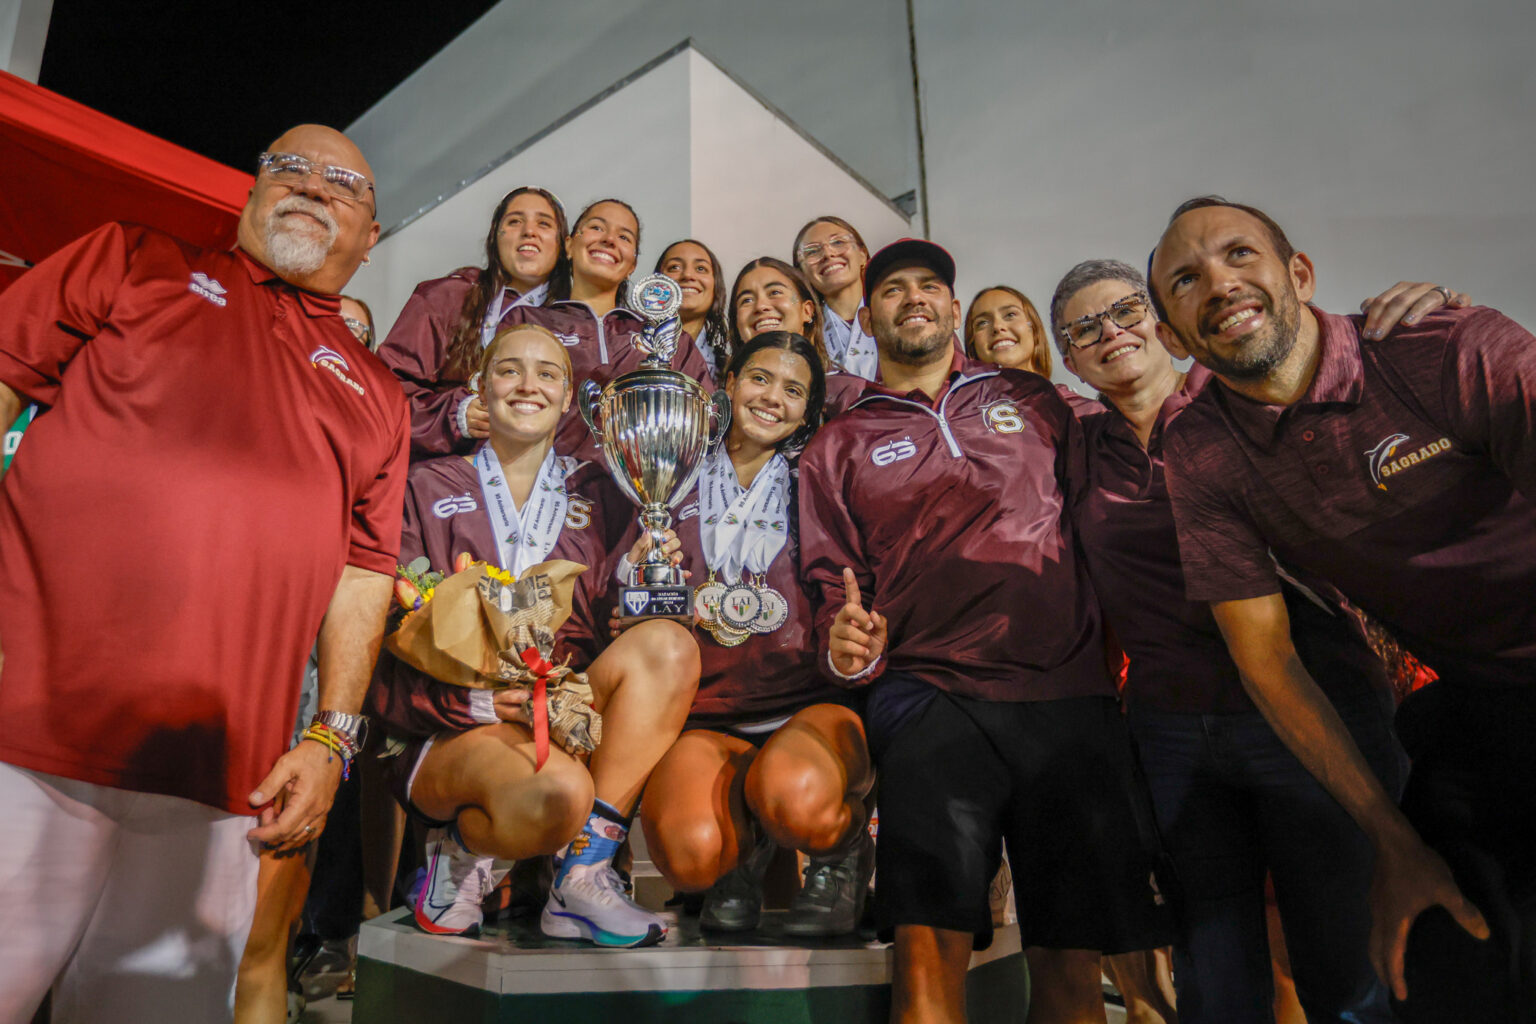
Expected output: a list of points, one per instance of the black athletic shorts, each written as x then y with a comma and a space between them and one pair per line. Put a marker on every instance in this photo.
1056, 780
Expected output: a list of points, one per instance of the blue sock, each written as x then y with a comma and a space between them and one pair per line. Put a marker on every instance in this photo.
598, 840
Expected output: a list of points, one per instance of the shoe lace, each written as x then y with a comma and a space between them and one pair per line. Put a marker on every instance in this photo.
823, 878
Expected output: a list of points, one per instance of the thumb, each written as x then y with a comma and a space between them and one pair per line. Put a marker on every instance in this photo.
877, 624
269, 787
1469, 917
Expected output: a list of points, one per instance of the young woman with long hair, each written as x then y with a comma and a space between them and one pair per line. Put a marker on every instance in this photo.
694, 265
468, 767
772, 754
832, 255
436, 341
1002, 327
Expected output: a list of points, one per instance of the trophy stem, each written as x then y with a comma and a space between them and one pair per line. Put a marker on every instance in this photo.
656, 567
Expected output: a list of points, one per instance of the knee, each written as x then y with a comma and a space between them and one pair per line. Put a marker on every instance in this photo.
688, 851
545, 814
672, 655
798, 806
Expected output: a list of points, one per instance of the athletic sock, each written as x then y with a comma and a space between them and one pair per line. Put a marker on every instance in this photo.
599, 839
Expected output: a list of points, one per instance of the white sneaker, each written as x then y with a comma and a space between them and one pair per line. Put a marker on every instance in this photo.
589, 903
455, 884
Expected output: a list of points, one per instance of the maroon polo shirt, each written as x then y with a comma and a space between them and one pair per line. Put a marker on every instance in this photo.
1178, 661
444, 517
601, 348
1402, 475
951, 513
218, 449
769, 675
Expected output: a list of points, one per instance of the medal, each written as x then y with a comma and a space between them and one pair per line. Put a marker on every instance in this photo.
725, 636
739, 607
706, 600
773, 608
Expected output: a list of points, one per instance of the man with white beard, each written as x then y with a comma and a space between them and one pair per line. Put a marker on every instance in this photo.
219, 478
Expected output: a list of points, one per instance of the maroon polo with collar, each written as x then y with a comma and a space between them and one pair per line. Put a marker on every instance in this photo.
601, 348
445, 517
1178, 661
951, 513
1402, 476
218, 449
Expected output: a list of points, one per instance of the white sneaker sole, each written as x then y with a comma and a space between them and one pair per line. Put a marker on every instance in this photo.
560, 924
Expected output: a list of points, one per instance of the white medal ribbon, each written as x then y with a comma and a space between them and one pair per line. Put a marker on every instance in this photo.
742, 527
525, 536
492, 322
849, 347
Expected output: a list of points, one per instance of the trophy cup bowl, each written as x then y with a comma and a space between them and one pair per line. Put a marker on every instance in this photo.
654, 426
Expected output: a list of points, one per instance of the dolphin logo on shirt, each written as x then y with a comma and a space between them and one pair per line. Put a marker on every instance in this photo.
1385, 462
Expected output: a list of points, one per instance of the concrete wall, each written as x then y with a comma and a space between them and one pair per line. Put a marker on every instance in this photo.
697, 155
1390, 139
23, 31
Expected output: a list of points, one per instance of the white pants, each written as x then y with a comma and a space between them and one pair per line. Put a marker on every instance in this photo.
134, 906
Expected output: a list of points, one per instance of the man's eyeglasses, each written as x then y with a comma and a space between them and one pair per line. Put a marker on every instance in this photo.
360, 330
1087, 331
293, 170
815, 252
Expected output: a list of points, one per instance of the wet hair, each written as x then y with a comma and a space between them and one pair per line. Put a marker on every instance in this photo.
1089, 272
717, 320
560, 280
816, 397
858, 239
1040, 357
483, 373
464, 349
812, 331
1282, 244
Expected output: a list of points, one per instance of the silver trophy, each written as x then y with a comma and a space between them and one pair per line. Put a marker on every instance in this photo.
654, 425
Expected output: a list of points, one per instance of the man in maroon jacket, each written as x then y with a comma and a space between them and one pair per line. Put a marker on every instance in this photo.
219, 476
1403, 471
941, 494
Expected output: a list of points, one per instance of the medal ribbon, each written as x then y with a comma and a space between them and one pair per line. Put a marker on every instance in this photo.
524, 536
492, 322
849, 347
742, 527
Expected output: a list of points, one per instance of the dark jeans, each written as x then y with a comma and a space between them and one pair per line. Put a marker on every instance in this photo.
1233, 803
1472, 797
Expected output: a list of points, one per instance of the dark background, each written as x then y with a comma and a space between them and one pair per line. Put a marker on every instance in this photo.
225, 79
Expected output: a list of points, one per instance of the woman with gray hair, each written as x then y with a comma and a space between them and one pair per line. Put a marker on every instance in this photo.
1231, 804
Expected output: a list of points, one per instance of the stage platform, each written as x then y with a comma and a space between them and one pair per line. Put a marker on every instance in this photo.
513, 973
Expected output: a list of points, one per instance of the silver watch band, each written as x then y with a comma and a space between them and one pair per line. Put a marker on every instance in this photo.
354, 727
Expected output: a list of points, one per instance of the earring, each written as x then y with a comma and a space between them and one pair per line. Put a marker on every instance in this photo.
367, 260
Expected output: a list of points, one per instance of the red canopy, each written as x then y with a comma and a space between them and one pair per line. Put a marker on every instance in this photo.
66, 169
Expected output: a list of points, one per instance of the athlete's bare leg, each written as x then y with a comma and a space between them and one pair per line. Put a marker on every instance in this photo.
261, 988
1064, 986
928, 980
1145, 981
694, 814
643, 684
808, 785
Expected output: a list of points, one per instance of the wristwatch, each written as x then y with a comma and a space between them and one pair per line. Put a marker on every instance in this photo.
353, 727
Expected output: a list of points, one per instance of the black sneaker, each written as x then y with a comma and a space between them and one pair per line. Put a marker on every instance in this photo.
735, 902
832, 899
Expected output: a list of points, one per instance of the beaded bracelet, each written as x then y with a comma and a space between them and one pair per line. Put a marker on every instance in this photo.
336, 742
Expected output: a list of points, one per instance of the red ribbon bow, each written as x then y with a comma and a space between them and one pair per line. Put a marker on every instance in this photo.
536, 664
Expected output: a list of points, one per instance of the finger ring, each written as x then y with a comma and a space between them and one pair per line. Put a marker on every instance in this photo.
1443, 290
309, 828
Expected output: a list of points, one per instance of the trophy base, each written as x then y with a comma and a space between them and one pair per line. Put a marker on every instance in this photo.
655, 601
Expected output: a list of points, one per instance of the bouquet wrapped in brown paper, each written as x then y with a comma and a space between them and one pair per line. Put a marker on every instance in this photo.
483, 629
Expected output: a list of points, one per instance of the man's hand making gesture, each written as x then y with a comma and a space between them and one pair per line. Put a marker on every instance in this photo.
857, 638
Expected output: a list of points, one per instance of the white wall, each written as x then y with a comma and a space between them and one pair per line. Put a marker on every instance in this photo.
714, 164
23, 31
526, 63
1390, 138
756, 180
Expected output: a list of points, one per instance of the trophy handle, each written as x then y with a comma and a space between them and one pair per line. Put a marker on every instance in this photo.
587, 403
720, 407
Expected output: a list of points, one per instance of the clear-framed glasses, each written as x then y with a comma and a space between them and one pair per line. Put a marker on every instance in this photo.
359, 328
293, 170
837, 245
1087, 331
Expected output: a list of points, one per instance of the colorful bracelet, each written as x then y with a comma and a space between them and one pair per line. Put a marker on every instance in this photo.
336, 742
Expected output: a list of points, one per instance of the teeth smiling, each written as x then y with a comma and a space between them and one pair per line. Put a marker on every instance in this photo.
766, 417
1118, 352
1237, 318
526, 407
768, 323
921, 318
